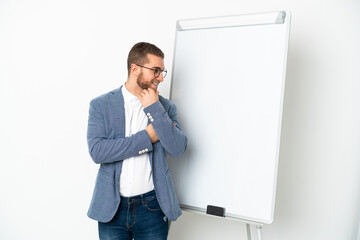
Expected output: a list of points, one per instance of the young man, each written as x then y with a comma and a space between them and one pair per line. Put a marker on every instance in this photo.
129, 131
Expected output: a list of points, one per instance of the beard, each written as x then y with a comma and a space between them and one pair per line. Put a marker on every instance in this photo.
141, 82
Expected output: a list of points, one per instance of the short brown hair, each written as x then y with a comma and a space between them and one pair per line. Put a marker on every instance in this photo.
138, 53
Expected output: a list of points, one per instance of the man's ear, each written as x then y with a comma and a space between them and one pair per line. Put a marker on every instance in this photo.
135, 69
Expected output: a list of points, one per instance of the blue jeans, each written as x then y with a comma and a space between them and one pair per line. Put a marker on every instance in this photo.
139, 218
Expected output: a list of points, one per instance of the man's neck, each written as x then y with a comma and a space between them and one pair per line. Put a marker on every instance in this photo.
133, 87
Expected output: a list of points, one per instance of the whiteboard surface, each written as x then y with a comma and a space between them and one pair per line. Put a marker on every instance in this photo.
228, 87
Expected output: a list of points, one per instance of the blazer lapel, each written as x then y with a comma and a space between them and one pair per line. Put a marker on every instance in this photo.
116, 101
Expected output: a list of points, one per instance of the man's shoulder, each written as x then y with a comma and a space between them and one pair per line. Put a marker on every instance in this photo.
106, 96
166, 103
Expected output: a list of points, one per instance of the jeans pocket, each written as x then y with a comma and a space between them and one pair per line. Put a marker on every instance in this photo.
152, 205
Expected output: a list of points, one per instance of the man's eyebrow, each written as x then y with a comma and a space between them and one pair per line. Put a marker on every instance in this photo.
158, 68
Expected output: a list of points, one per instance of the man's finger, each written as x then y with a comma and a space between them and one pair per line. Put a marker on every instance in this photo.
151, 90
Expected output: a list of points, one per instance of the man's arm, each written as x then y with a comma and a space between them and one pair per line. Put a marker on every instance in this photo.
164, 122
152, 134
105, 150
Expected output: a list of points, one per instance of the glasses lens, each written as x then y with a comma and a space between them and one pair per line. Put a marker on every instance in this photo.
158, 71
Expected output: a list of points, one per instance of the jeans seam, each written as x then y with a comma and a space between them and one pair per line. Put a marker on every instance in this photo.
133, 218
127, 215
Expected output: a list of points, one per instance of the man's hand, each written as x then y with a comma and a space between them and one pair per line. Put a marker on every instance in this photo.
148, 97
152, 134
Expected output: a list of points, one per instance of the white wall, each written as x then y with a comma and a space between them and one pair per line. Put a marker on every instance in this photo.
57, 55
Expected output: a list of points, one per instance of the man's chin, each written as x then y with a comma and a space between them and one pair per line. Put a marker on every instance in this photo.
154, 87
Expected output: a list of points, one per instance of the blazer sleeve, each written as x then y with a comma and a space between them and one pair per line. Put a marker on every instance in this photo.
167, 127
103, 149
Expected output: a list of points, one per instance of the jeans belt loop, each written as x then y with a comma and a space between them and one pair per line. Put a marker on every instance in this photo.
143, 201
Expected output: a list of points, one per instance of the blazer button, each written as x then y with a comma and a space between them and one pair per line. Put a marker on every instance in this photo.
140, 152
148, 114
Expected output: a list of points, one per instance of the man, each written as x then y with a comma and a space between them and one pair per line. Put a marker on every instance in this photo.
129, 131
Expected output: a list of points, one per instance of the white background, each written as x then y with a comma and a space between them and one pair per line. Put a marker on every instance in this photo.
55, 56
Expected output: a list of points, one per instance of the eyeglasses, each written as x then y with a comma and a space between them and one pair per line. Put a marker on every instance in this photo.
156, 71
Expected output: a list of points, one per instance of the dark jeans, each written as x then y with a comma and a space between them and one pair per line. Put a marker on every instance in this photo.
139, 218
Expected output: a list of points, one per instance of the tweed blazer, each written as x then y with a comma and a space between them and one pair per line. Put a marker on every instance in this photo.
108, 147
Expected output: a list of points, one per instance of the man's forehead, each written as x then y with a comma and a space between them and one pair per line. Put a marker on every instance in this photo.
155, 60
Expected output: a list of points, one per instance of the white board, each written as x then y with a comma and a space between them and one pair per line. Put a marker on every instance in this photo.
228, 85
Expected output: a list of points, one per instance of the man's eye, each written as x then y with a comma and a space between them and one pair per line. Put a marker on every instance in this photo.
156, 71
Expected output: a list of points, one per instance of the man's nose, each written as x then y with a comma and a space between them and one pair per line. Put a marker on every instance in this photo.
160, 77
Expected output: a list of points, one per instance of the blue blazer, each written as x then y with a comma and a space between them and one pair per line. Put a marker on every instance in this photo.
108, 146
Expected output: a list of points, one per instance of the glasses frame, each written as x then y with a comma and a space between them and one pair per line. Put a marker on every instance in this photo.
155, 70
